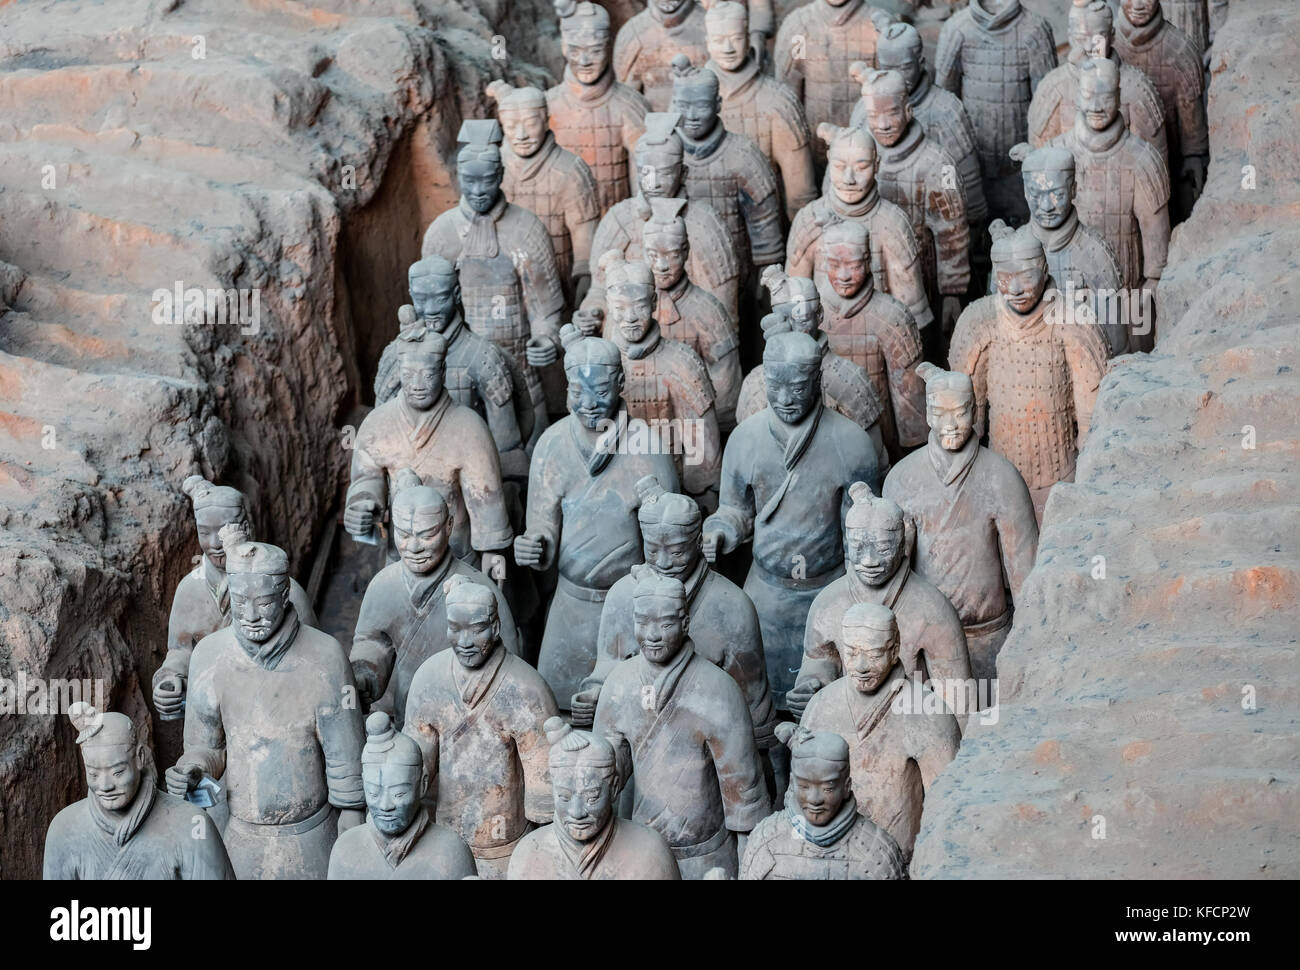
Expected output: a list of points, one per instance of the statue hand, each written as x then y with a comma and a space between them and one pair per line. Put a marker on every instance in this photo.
350, 818
582, 707
540, 352
367, 682
711, 543
359, 518
180, 781
581, 286
589, 322
169, 695
494, 564
799, 696
949, 313
529, 548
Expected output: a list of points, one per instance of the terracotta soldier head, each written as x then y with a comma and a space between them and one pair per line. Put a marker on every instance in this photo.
1049, 183
1019, 265
629, 296
116, 760
215, 506
422, 364
259, 587
868, 645
479, 169
671, 526
473, 625
1098, 100
850, 161
421, 523
584, 780
696, 100
1091, 30
594, 369
847, 250
889, 112
792, 366
658, 156
664, 245
726, 26
949, 407
523, 116
794, 299
393, 774
899, 49
819, 771
1139, 12
435, 292
584, 38
875, 536
659, 612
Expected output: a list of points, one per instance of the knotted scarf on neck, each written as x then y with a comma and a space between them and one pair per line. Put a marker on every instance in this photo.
822, 835
1140, 36
994, 21
799, 438
666, 312
121, 826
481, 234
606, 445
586, 856
395, 848
270, 653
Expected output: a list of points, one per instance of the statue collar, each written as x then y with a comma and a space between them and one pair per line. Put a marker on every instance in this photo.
480, 237
795, 439
596, 91
868, 710
396, 848
598, 453
420, 425
472, 685
1099, 141
455, 327
221, 591
841, 15
526, 168
1027, 324
922, 90
121, 826
706, 146
695, 581
421, 588
858, 209
826, 835
993, 21
1054, 240
845, 307
952, 465
886, 595
585, 857
269, 654
642, 348
732, 83
1143, 36
670, 20
902, 149
666, 679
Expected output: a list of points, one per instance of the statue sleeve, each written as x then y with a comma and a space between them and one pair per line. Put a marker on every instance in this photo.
792, 147
206, 858
906, 389
341, 733
804, 233
724, 373
933, 742
205, 735
760, 204
745, 662
735, 515
947, 59
1151, 205
534, 752
371, 644
946, 216
788, 66
611, 636
900, 258
700, 469
544, 513
369, 478
582, 216
966, 353
480, 485
417, 723
1017, 532
1193, 128
1042, 109
1042, 53
180, 639
606, 725
821, 658
543, 294
745, 801
627, 48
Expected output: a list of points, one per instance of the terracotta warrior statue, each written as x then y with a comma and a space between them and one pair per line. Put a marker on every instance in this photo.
819, 833
549, 181
814, 48
201, 604
594, 116
665, 383
681, 724
125, 828
939, 113
918, 176
1123, 184
992, 55
273, 713
712, 262
588, 839
477, 713
875, 332
403, 619
852, 195
582, 503
759, 106
895, 751
688, 313
725, 625
1078, 258
973, 520
1149, 42
399, 839
1092, 34
727, 171
646, 44
510, 286
876, 549
846, 388
478, 374
447, 444
785, 480
1035, 374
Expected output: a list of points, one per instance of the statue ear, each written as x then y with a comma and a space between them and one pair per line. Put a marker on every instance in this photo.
424, 781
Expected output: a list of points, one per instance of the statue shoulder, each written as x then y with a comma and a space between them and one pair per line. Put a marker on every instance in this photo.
630, 102
1140, 92
976, 328
898, 334
689, 374
1152, 172
854, 396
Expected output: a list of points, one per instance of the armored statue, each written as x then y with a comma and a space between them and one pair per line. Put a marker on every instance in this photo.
645, 46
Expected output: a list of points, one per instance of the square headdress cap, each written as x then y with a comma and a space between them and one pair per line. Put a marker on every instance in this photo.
384, 745
727, 15
662, 507
884, 84
792, 347
870, 616
1015, 245
620, 272
937, 380
101, 729
571, 748
788, 289
901, 40
847, 233
582, 22
510, 98
660, 137
463, 590
868, 508
690, 79
480, 138
582, 351
412, 499
1046, 159
847, 142
205, 495
815, 746
1093, 15
244, 557
421, 341
650, 583
662, 215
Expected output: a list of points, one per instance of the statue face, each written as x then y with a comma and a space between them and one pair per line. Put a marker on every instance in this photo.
631, 309
852, 170
1098, 100
525, 129
1050, 196
1139, 12
660, 627
888, 117
584, 800
257, 604
868, 656
113, 773
209, 522
473, 632
729, 44
951, 416
671, 550
698, 105
669, 6
847, 269
435, 299
422, 379
666, 254
587, 57
1086, 41
480, 182
658, 174
820, 788
874, 554
594, 393
422, 538
1021, 283
393, 795
891, 58
792, 389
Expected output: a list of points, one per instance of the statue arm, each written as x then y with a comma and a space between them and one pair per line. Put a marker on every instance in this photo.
610, 638
900, 257
907, 394
205, 735
947, 59
369, 480
582, 217
480, 486
543, 294
605, 724
735, 515
745, 800
788, 67
701, 470
946, 216
762, 20
760, 205
373, 649
545, 513
821, 657
1017, 532
934, 740
534, 752
206, 858
341, 733
792, 145
746, 664
1042, 54
417, 725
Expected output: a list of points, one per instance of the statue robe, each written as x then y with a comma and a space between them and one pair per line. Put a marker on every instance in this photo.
623, 850
786, 846
424, 851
